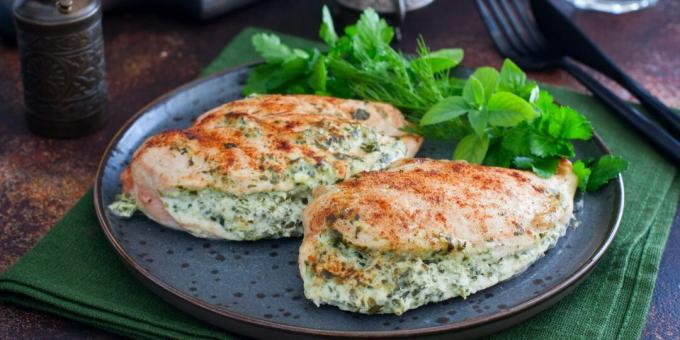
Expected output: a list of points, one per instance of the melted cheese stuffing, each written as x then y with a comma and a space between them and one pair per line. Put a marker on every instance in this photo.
277, 213
249, 217
385, 282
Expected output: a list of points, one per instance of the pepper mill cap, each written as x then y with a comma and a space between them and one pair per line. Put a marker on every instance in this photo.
51, 12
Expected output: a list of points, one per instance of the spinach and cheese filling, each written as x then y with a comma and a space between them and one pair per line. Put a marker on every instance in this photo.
378, 282
278, 214
248, 217
123, 206
246, 170
275, 214
425, 230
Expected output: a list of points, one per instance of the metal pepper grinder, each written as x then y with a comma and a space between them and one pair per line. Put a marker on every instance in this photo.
62, 66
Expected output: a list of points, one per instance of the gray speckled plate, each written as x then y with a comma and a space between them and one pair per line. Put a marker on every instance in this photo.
254, 288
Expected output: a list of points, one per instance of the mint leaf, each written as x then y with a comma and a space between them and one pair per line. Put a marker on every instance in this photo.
446, 109
511, 77
488, 76
327, 29
455, 55
582, 172
472, 148
473, 92
606, 168
478, 121
270, 48
507, 109
441, 60
445, 58
528, 92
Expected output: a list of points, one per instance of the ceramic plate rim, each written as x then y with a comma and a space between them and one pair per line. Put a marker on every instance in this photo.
541, 299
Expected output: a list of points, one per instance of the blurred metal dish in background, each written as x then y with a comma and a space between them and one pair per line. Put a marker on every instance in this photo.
394, 8
386, 6
613, 6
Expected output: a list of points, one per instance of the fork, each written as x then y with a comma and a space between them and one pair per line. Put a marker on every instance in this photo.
517, 37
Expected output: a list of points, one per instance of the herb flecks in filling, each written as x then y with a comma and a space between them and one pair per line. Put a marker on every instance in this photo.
273, 203
371, 281
123, 206
248, 217
246, 175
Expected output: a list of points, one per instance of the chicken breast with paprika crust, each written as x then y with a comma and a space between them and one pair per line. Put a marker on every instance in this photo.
427, 230
245, 170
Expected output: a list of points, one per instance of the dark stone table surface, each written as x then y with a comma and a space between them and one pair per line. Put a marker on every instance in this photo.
151, 53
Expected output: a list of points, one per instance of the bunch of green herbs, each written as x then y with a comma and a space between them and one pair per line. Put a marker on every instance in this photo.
498, 118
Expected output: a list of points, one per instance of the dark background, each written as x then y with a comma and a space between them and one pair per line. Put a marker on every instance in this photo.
151, 53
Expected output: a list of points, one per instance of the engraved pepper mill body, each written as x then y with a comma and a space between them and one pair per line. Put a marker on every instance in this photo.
62, 66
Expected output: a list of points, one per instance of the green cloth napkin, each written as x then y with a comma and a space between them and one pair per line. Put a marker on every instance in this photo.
74, 272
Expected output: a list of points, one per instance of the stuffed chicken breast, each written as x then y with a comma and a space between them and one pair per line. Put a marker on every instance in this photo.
246, 170
428, 230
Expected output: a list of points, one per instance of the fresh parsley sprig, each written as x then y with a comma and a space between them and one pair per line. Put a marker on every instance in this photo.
498, 118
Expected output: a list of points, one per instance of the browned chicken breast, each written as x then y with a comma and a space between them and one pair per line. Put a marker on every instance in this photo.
427, 230
245, 170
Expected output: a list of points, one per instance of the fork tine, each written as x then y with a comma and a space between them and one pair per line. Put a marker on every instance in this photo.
510, 9
513, 39
529, 24
495, 32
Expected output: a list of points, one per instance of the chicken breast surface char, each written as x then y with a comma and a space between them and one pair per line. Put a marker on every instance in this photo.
428, 230
245, 170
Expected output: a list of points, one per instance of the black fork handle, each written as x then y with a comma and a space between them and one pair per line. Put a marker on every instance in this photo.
655, 134
647, 100
584, 50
